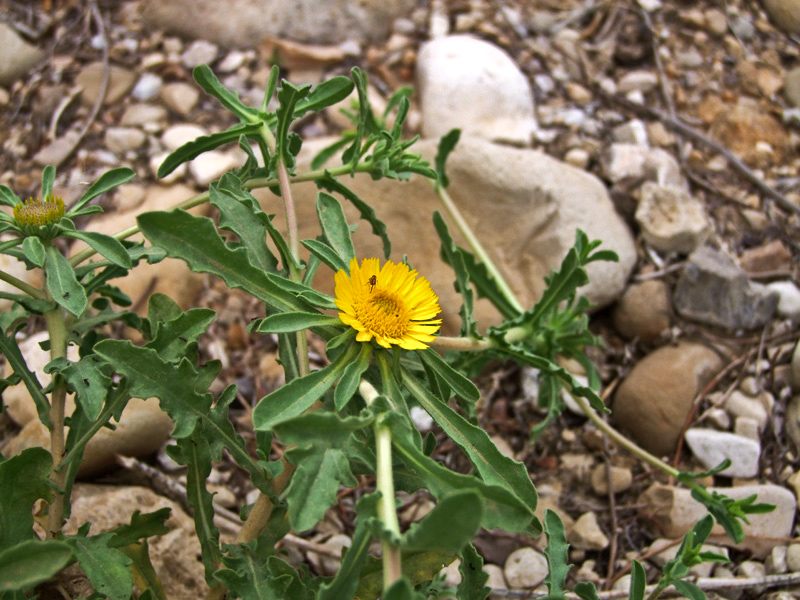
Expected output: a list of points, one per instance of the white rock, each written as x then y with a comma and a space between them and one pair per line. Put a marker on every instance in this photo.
577, 157
525, 568
178, 135
739, 404
139, 115
793, 557
747, 427
421, 418
642, 81
17, 56
452, 576
789, 299
232, 61
711, 447
180, 97
631, 161
147, 87
210, 166
199, 52
124, 139
496, 578
621, 479
632, 132
473, 85
586, 534
776, 561
672, 220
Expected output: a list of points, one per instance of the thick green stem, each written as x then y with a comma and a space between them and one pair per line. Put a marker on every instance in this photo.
57, 331
32, 291
392, 563
477, 248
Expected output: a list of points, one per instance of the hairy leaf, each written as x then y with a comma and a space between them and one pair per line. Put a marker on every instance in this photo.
62, 283
449, 526
106, 567
32, 562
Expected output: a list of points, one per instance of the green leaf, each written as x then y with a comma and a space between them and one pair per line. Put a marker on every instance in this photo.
62, 283
289, 322
449, 526
326, 254
105, 245
48, 177
298, 395
34, 250
288, 97
494, 467
141, 526
32, 562
451, 255
462, 386
473, 577
334, 226
151, 376
486, 285
14, 358
144, 575
23, 480
87, 380
8, 197
418, 567
195, 148
365, 211
321, 429
194, 453
205, 77
348, 384
106, 567
638, 582
241, 214
248, 577
556, 554
586, 590
323, 95
107, 181
689, 590
447, 144
173, 338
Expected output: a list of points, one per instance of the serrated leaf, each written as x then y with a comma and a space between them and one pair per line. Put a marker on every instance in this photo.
23, 480
473, 578
62, 284
365, 211
334, 226
141, 526
298, 395
556, 554
494, 467
326, 254
173, 337
10, 350
248, 577
462, 386
106, 567
323, 95
196, 147
240, 213
34, 250
88, 381
32, 562
452, 523
48, 177
194, 453
107, 181
348, 384
451, 255
447, 144
151, 376
105, 245
638, 582
487, 286
289, 322
205, 77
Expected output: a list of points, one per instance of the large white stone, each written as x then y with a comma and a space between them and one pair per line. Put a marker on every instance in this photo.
525, 568
472, 85
672, 220
711, 447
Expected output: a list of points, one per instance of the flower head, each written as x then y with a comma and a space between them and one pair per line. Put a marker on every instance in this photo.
388, 303
35, 213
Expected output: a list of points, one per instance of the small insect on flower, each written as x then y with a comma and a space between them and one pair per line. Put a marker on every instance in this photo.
400, 312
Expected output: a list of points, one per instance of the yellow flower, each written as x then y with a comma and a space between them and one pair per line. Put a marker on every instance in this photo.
34, 212
389, 304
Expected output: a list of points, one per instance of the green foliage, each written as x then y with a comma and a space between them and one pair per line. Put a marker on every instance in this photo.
346, 424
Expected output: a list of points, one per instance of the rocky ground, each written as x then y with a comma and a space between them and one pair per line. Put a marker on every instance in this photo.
674, 125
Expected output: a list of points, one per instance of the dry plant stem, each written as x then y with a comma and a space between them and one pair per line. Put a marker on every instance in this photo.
476, 246
392, 566
57, 331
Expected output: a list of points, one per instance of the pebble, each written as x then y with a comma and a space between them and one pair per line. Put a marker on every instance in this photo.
652, 402
452, 76
58, 150
621, 479
177, 135
155, 162
642, 81
147, 87
232, 61
17, 57
775, 563
586, 534
452, 575
577, 157
496, 578
635, 162
793, 556
785, 14
422, 420
746, 427
121, 140
144, 115
632, 132
672, 220
712, 289
791, 86
766, 258
120, 82
525, 568
211, 165
199, 52
739, 404
741, 127
711, 447
788, 299
676, 512
644, 311
180, 97
716, 22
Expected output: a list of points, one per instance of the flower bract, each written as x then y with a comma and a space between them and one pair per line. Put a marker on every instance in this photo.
37, 213
390, 303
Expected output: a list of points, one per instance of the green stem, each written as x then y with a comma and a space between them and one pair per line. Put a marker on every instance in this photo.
392, 563
57, 331
477, 248
32, 291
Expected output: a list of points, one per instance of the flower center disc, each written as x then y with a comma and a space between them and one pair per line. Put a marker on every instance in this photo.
383, 312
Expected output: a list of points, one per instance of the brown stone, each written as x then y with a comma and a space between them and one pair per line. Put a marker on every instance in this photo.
772, 256
654, 399
643, 311
120, 81
745, 128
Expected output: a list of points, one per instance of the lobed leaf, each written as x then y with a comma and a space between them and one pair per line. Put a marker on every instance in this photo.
556, 554
473, 578
205, 77
447, 144
10, 350
23, 480
451, 255
106, 567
